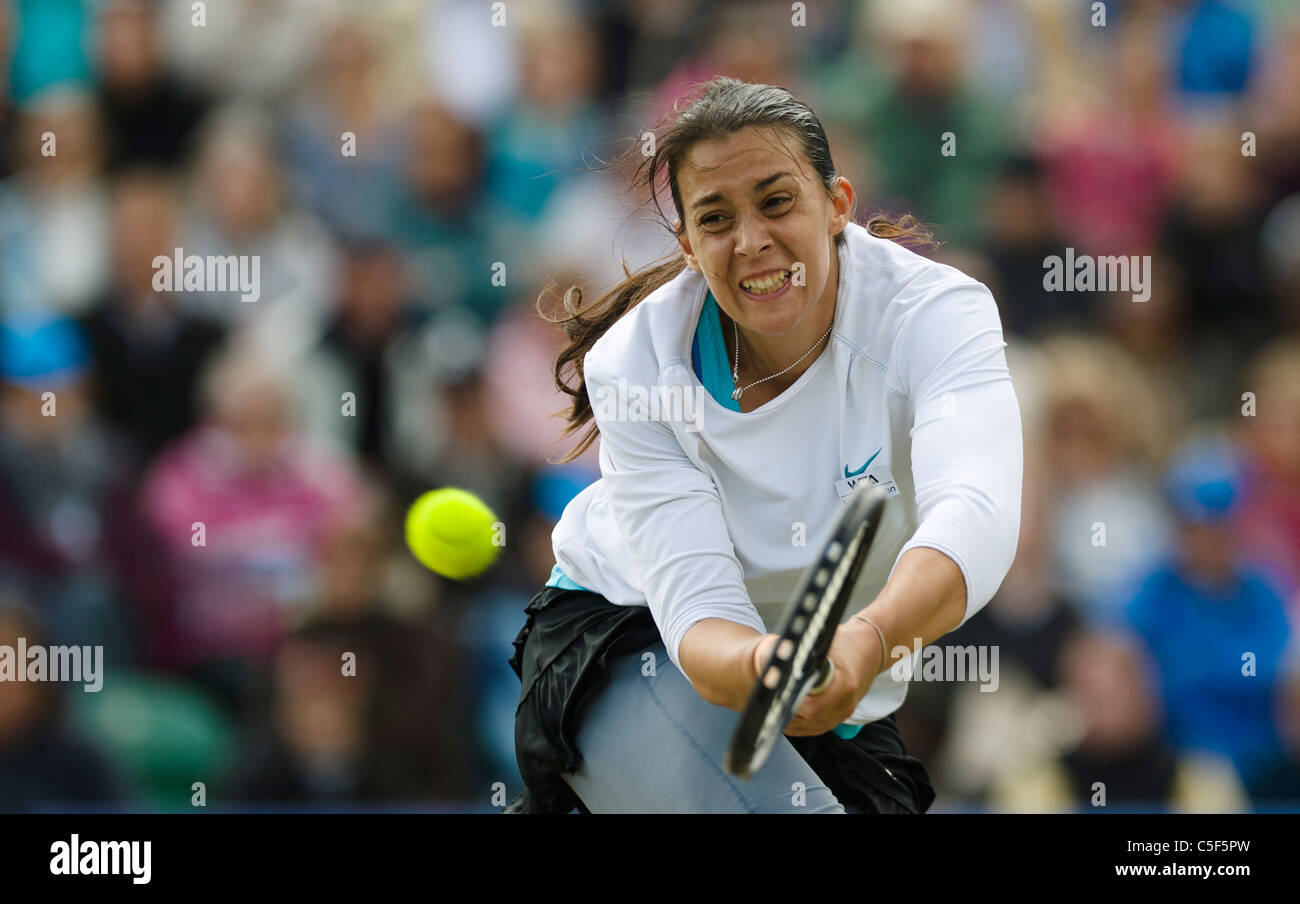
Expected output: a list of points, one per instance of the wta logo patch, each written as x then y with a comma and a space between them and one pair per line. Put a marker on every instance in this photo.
879, 475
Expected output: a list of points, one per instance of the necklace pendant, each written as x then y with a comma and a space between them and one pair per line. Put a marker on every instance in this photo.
735, 394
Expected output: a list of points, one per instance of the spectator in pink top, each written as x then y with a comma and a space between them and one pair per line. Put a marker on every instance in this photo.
243, 503
1112, 166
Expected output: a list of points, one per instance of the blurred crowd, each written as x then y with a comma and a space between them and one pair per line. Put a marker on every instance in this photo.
212, 489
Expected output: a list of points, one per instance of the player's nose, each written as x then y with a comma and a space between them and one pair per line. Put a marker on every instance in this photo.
753, 235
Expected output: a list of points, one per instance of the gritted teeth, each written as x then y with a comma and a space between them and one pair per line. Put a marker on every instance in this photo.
765, 284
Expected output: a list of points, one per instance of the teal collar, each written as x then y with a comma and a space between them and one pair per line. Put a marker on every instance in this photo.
709, 355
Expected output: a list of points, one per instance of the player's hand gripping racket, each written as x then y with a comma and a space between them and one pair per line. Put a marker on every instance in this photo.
798, 665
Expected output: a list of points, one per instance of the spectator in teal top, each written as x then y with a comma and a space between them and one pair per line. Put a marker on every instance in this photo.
49, 44
933, 141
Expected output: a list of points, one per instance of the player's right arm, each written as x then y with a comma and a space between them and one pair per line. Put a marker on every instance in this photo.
721, 659
676, 540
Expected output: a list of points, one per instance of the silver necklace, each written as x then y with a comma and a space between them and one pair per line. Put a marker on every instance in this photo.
735, 371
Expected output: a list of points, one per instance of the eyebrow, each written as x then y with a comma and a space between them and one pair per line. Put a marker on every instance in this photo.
758, 186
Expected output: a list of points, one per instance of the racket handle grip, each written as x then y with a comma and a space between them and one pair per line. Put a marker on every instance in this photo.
826, 675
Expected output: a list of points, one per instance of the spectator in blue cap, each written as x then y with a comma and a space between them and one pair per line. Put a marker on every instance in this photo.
69, 528
1217, 630
41, 351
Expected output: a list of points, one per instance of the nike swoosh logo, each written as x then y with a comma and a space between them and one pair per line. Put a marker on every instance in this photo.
848, 473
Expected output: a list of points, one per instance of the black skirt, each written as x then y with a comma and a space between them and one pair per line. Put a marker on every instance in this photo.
562, 656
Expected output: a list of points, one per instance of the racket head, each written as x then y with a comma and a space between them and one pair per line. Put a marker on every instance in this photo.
806, 631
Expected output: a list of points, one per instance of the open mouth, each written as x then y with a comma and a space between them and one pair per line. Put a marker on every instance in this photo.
766, 285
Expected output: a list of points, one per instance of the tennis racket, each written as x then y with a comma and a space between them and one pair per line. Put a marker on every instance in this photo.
798, 665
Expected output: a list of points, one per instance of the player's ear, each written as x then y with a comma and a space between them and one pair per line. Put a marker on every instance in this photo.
685, 244
841, 204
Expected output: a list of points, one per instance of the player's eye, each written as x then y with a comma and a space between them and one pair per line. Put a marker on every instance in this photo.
775, 201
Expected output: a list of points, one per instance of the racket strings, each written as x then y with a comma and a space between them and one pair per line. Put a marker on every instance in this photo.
791, 657
804, 637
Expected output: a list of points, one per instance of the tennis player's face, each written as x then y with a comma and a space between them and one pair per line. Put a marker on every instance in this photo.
754, 210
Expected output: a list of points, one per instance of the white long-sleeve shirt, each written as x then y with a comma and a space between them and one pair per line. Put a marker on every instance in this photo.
707, 512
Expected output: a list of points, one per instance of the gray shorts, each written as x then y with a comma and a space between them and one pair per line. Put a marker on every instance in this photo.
608, 724
652, 744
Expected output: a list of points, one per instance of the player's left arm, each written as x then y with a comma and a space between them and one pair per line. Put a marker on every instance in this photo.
967, 466
924, 597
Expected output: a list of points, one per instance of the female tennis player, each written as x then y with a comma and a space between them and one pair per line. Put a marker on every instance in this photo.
823, 353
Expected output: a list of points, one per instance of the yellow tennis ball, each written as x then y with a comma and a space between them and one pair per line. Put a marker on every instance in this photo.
452, 532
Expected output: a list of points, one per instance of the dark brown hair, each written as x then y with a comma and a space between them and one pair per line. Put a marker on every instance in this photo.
720, 107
